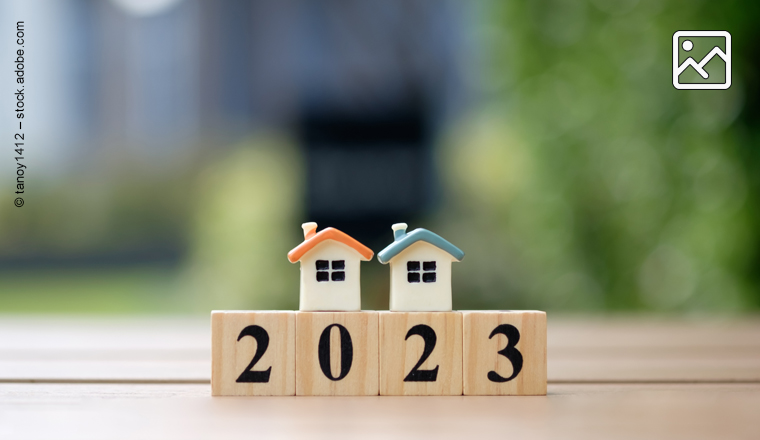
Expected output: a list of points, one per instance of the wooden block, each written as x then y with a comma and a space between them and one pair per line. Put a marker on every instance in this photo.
504, 353
420, 353
253, 353
336, 353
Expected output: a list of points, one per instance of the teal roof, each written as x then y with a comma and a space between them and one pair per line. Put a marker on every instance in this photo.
409, 239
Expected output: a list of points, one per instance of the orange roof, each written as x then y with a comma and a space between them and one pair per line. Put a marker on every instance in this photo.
329, 234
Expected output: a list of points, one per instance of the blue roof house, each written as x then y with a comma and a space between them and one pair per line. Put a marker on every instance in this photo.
420, 270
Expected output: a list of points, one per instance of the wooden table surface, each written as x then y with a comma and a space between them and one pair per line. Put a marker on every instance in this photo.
144, 378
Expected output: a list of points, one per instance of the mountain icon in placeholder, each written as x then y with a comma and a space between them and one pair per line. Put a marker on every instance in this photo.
712, 71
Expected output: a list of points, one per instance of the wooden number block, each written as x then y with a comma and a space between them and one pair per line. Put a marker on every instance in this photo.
253, 353
336, 353
504, 353
420, 353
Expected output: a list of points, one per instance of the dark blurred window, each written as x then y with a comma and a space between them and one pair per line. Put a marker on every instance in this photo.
367, 171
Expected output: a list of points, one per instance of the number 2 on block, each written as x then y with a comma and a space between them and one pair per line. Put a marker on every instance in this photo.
509, 352
428, 335
262, 343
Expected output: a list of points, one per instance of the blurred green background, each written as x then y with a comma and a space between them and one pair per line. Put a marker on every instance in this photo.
561, 158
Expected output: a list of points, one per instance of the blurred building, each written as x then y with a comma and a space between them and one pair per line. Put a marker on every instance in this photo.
364, 87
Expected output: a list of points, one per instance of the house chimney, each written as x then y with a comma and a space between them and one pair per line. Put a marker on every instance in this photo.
399, 231
309, 230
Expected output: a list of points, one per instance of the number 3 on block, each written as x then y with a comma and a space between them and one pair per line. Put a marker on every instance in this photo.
509, 352
504, 353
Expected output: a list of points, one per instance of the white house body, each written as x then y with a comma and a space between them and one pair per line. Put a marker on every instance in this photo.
330, 270
421, 296
340, 287
420, 264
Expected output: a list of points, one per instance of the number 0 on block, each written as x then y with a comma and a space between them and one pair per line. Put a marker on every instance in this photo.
336, 354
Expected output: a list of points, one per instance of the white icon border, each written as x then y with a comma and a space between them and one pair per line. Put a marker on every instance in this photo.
722, 86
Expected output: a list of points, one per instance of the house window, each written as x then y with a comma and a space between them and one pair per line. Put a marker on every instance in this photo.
334, 270
426, 275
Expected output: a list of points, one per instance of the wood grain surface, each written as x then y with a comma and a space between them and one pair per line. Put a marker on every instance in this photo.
609, 377
238, 339
337, 345
82, 412
504, 353
402, 350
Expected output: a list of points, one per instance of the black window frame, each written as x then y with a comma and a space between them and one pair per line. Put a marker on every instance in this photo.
421, 271
330, 270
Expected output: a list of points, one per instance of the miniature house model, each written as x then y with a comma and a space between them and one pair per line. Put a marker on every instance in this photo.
329, 269
420, 270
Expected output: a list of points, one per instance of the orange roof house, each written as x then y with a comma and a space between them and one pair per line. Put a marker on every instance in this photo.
330, 278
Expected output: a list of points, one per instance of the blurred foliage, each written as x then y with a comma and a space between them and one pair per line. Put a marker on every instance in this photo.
246, 219
580, 180
126, 208
105, 290
237, 218
586, 181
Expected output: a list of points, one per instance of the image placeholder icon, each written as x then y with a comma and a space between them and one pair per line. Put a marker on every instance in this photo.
701, 60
